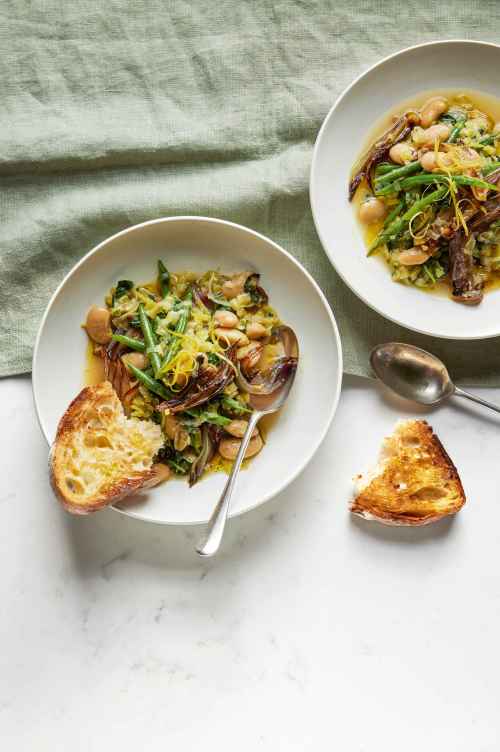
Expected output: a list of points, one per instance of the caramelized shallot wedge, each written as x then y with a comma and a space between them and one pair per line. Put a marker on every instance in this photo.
465, 288
207, 384
381, 148
207, 451
272, 378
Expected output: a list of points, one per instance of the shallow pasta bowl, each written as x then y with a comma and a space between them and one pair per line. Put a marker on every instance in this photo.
428, 68
198, 244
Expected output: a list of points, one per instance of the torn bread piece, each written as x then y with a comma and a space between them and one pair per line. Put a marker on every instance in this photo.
99, 455
415, 482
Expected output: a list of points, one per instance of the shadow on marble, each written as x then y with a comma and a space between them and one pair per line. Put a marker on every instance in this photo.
476, 412
402, 405
402, 534
457, 404
101, 541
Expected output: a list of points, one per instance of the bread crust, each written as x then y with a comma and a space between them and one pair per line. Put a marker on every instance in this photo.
418, 466
75, 420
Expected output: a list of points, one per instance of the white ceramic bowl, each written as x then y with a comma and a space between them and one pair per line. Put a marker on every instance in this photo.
438, 65
198, 244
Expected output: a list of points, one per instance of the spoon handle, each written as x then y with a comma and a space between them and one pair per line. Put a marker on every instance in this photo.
209, 545
473, 398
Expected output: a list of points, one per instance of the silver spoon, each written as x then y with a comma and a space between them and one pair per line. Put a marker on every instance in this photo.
261, 404
417, 375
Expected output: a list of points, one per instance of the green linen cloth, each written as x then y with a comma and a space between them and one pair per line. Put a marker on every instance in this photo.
115, 112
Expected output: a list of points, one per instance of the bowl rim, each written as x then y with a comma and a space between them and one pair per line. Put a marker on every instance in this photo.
314, 168
215, 221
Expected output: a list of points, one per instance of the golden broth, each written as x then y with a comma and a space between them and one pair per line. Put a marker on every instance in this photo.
94, 367
94, 374
220, 465
485, 102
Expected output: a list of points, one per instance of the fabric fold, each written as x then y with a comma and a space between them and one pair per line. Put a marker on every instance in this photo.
116, 113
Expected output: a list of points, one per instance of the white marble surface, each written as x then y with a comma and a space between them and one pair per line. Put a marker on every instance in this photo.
311, 631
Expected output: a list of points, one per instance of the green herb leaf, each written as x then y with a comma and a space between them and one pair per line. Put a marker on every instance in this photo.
257, 295
122, 288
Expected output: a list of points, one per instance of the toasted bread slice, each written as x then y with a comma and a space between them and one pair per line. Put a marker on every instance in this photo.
99, 456
415, 483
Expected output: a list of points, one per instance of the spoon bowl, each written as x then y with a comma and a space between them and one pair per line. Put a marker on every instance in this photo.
274, 401
417, 375
412, 373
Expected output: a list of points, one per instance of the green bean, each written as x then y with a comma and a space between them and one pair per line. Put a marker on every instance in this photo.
491, 167
163, 278
216, 419
209, 417
489, 139
154, 386
176, 342
459, 179
466, 180
436, 177
150, 340
398, 172
456, 130
132, 342
394, 213
430, 274
389, 190
232, 404
382, 168
396, 227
